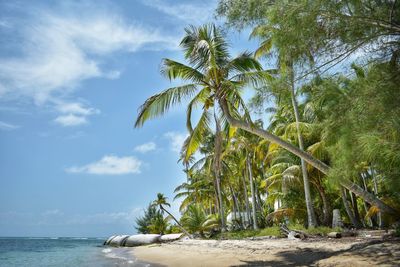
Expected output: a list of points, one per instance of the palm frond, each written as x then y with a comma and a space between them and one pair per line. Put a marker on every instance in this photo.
196, 137
160, 103
264, 49
198, 99
243, 63
173, 70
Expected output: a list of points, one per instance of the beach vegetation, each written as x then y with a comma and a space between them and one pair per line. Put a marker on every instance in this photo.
321, 131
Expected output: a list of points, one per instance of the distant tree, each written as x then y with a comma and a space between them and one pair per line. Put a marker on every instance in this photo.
159, 224
161, 202
143, 223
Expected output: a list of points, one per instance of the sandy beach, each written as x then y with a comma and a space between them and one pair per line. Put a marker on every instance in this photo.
349, 251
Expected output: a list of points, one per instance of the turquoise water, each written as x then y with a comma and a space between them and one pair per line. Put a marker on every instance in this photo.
77, 252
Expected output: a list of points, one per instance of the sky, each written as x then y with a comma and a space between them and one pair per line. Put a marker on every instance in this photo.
72, 77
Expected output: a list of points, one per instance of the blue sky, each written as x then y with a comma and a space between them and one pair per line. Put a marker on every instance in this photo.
72, 76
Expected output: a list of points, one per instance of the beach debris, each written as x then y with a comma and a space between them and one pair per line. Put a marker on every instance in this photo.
334, 235
141, 239
347, 233
292, 234
108, 240
170, 237
117, 240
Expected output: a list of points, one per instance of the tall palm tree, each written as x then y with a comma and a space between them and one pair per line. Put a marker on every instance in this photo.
286, 66
217, 79
160, 202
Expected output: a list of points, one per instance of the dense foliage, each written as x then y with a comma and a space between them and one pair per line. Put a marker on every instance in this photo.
331, 134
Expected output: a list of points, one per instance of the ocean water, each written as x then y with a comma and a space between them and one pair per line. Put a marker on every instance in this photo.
60, 252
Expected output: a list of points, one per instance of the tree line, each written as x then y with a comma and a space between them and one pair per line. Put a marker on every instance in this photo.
329, 137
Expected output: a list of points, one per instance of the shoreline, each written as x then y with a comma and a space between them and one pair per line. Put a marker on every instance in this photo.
349, 251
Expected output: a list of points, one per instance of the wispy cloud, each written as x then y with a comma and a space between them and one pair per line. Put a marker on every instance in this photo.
176, 140
8, 126
60, 50
190, 13
70, 120
74, 113
146, 147
110, 165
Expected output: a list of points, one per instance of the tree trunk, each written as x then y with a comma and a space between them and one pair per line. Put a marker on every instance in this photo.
355, 208
179, 225
246, 199
312, 222
217, 170
253, 196
326, 206
347, 207
366, 206
370, 198
236, 204
380, 222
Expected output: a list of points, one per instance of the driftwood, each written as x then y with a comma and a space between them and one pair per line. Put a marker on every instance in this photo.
334, 235
292, 234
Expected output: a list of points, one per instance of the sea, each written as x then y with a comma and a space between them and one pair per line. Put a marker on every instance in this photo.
64, 251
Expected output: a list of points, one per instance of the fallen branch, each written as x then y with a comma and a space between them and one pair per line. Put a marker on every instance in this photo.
292, 234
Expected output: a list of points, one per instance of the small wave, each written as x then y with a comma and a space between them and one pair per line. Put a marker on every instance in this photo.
119, 253
107, 250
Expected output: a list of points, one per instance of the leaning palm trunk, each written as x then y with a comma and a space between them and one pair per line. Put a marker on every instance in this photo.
370, 198
177, 222
312, 221
253, 196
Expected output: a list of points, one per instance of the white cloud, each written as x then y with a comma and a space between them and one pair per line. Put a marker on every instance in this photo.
176, 140
146, 147
76, 108
7, 126
70, 120
60, 51
190, 13
110, 165
74, 113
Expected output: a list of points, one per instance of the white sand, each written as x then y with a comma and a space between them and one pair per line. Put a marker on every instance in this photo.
273, 252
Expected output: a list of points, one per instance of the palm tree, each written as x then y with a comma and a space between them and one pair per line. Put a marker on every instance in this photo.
216, 79
196, 220
161, 201
286, 66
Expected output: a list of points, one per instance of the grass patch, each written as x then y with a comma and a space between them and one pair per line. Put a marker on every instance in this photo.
269, 231
274, 231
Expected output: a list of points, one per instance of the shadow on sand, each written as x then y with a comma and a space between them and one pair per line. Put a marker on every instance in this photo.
309, 257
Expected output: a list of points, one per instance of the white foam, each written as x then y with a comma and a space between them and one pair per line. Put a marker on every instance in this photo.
107, 250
